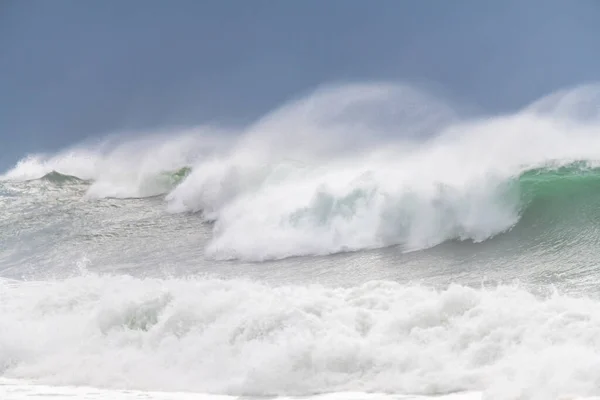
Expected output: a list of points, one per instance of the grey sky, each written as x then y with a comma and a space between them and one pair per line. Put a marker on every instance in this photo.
71, 69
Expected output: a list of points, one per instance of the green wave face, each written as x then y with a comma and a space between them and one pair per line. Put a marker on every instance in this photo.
181, 174
560, 206
174, 178
570, 185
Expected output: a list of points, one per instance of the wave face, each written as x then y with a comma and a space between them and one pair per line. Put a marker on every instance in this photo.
359, 167
561, 201
244, 338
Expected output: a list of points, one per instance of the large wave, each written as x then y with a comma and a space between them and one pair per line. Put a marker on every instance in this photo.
351, 167
243, 338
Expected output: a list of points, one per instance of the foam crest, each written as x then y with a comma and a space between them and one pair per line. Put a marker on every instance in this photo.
245, 338
334, 122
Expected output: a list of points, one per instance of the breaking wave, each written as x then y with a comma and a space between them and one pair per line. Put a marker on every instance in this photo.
361, 166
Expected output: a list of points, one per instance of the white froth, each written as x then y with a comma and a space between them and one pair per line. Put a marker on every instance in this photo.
19, 390
244, 338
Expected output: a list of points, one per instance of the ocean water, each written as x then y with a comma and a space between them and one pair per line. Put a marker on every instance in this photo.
366, 241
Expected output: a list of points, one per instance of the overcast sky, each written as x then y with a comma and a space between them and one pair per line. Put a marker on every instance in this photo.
71, 69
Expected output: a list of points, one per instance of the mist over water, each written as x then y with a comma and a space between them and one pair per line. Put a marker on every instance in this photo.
366, 237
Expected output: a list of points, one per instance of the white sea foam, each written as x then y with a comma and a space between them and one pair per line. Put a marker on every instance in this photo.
244, 338
18, 390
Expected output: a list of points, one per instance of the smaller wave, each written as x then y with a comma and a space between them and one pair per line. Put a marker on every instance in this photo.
80, 163
159, 183
138, 186
61, 179
124, 167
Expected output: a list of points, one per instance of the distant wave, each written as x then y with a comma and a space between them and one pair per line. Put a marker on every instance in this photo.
136, 167
152, 185
58, 178
362, 166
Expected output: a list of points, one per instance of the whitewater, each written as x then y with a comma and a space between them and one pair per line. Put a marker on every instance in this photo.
364, 241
